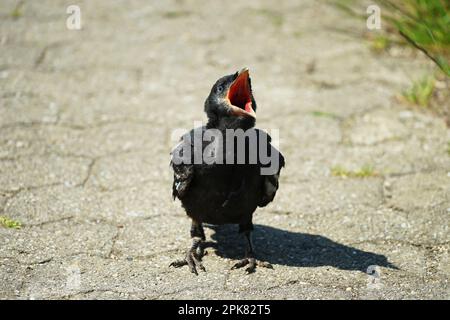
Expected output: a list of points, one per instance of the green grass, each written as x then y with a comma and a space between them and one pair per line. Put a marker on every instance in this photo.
422, 24
17, 12
176, 14
275, 17
448, 148
421, 91
9, 223
364, 172
323, 114
380, 43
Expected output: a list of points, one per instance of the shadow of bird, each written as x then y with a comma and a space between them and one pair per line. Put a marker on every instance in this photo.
295, 249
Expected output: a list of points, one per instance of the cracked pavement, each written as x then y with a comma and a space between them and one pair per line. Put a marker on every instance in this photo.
85, 133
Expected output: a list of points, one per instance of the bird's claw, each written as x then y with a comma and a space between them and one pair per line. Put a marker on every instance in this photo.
191, 260
252, 263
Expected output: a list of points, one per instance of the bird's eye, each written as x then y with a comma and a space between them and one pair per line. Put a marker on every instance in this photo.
219, 89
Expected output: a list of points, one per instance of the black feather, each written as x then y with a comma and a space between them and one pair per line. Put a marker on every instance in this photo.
223, 193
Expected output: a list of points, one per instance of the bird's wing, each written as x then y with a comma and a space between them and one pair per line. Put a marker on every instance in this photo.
182, 163
270, 181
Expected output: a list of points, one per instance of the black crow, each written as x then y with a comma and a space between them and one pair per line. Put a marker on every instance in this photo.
225, 170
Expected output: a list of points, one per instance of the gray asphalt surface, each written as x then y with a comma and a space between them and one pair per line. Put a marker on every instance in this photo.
85, 133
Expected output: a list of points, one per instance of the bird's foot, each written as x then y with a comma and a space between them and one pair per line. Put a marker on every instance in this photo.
192, 260
252, 263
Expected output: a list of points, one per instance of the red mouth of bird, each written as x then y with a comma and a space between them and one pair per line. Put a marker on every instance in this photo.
239, 96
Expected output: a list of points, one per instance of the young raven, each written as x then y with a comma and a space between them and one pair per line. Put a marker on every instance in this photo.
240, 174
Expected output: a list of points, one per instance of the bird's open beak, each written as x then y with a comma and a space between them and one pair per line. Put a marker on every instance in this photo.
239, 95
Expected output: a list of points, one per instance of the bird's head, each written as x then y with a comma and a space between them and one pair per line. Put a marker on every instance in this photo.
230, 104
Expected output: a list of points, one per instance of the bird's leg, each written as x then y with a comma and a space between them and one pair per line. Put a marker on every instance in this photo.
249, 252
197, 232
195, 253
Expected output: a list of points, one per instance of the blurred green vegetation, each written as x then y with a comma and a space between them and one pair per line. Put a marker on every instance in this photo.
275, 17
431, 91
17, 12
421, 91
324, 114
423, 24
176, 14
9, 223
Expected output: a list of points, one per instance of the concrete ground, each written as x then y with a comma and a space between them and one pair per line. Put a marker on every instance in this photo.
86, 118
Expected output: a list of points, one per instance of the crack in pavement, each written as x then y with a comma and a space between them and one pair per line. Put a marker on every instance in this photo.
423, 245
44, 223
112, 254
89, 173
43, 54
